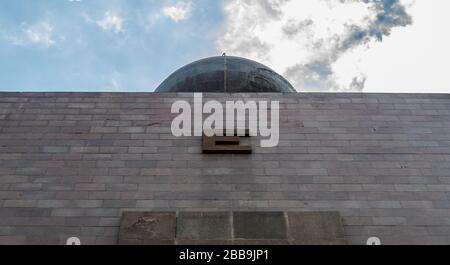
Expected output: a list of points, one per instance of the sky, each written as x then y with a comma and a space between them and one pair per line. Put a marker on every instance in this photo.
398, 46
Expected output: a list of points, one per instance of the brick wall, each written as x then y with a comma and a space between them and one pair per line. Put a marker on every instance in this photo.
71, 163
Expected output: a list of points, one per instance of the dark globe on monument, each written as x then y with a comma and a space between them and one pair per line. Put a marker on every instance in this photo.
226, 74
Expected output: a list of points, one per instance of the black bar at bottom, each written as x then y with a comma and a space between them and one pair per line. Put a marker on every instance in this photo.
130, 255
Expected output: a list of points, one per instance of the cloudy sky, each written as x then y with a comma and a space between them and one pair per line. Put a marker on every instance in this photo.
318, 45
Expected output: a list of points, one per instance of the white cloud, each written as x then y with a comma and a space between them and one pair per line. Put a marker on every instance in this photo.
307, 41
414, 59
178, 12
40, 33
111, 22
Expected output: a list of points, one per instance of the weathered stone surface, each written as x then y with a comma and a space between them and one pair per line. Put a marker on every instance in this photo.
261, 242
147, 228
381, 160
183, 242
319, 242
259, 225
250, 228
316, 228
204, 226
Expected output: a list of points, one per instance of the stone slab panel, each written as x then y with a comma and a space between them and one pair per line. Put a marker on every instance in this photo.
259, 225
204, 226
324, 228
144, 228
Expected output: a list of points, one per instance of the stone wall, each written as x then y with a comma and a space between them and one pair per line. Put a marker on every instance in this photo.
231, 228
71, 163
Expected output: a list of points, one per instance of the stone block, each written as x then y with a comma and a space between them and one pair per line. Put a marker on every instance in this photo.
147, 228
259, 225
315, 227
204, 226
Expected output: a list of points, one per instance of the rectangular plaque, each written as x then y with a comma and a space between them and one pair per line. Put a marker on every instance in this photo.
225, 144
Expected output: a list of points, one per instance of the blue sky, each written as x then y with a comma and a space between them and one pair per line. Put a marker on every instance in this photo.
133, 45
100, 45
